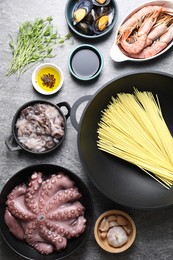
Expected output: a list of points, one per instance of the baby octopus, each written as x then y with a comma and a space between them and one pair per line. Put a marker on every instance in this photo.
45, 213
40, 127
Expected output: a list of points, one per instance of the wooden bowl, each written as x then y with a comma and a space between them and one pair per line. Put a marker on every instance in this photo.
103, 242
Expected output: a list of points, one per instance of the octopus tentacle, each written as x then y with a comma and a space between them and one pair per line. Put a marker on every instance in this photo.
16, 203
77, 227
54, 238
62, 197
43, 248
32, 232
14, 226
52, 185
32, 192
67, 211
68, 228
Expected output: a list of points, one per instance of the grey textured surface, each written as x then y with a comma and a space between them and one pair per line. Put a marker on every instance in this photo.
154, 227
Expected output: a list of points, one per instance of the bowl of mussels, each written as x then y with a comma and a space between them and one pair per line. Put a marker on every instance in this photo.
91, 18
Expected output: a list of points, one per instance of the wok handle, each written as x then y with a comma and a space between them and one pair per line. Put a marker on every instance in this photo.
9, 141
68, 107
74, 108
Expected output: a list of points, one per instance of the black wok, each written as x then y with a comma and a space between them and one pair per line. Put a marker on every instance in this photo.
119, 180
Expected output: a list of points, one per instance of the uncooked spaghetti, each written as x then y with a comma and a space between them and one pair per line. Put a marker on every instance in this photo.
132, 128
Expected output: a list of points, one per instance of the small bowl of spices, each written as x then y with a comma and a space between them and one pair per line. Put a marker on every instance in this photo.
47, 78
115, 231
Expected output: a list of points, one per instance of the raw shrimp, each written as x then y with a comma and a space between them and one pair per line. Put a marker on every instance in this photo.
135, 20
144, 29
157, 46
158, 29
141, 39
117, 236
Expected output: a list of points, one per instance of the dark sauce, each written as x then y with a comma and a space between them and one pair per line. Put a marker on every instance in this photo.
85, 63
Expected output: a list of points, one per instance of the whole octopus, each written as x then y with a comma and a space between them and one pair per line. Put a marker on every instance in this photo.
46, 212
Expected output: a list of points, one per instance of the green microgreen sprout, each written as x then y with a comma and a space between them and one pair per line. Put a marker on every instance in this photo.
35, 42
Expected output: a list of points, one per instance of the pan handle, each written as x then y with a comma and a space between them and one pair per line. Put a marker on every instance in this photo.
9, 141
74, 110
68, 107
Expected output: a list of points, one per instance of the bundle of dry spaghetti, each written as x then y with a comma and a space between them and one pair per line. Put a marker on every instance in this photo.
132, 128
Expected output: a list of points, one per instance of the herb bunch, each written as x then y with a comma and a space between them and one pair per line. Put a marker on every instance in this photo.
35, 42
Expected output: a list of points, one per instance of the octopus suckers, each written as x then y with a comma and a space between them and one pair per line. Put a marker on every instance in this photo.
36, 188
48, 213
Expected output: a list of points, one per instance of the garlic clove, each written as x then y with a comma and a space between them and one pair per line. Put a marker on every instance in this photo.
128, 229
111, 218
113, 224
103, 235
104, 226
122, 221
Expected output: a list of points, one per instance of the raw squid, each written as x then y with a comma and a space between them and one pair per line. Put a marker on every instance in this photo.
40, 127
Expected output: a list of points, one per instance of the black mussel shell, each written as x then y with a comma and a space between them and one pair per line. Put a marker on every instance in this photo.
101, 2
91, 17
102, 10
109, 17
85, 27
81, 5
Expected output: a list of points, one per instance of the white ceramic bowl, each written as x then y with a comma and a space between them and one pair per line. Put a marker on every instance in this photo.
116, 53
50, 68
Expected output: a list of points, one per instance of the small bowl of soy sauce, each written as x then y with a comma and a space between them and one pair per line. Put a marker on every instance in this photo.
85, 62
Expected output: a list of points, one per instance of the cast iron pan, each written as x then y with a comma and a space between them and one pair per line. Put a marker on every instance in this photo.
119, 180
20, 247
12, 141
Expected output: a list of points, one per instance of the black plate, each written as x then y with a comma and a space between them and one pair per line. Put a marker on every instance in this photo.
119, 180
22, 248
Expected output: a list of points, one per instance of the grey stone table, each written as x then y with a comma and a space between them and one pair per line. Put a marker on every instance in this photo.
154, 227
